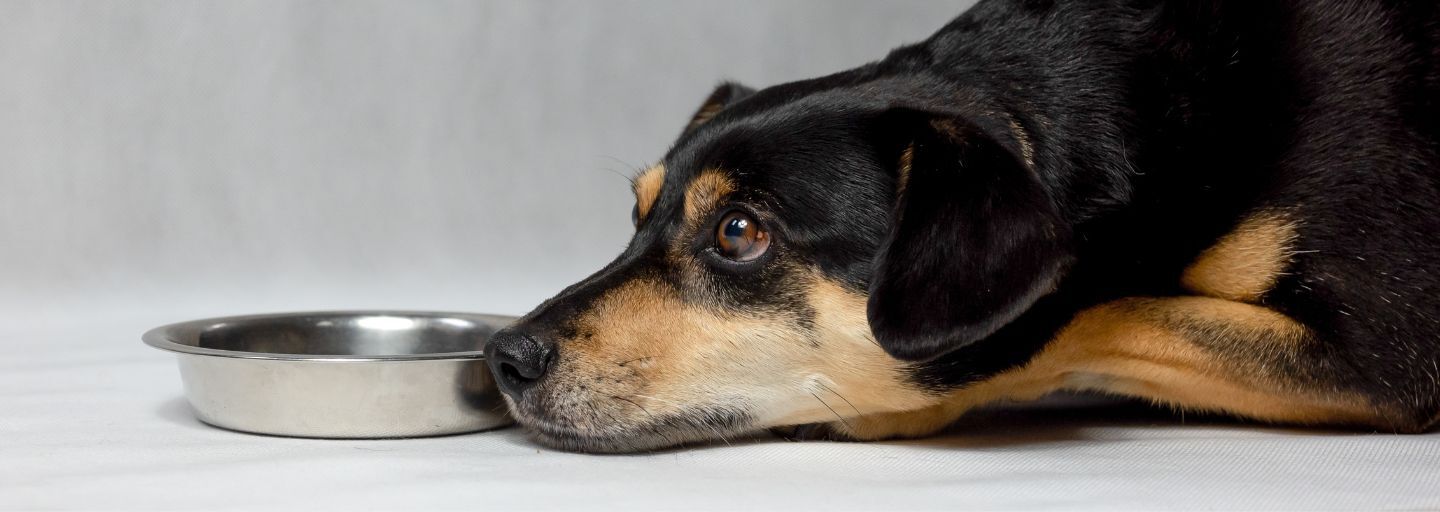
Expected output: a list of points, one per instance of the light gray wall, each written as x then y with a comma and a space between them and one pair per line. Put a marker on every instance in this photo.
350, 152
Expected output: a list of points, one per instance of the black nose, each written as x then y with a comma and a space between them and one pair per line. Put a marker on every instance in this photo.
517, 360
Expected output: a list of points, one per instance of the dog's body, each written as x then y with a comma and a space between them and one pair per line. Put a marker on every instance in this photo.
1217, 205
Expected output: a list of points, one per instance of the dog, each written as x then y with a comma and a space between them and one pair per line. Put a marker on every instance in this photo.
1230, 206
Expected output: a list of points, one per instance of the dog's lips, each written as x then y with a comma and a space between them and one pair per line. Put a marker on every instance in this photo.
571, 439
652, 434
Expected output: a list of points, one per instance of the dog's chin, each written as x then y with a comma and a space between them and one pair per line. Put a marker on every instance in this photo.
571, 441
653, 434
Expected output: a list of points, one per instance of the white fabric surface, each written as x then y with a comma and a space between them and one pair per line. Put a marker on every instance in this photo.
93, 419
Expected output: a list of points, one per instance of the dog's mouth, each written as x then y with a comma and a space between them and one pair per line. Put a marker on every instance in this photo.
608, 433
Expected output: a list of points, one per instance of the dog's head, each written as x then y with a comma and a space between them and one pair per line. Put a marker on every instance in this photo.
796, 252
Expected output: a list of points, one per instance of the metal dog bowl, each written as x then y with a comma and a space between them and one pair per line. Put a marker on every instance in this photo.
343, 374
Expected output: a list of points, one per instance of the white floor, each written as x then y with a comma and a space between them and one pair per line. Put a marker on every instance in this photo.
93, 419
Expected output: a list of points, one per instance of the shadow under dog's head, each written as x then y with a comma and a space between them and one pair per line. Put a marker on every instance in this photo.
796, 253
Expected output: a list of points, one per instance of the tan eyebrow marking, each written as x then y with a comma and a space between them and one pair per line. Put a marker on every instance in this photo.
705, 193
647, 189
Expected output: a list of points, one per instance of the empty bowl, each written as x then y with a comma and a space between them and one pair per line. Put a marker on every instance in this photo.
339, 374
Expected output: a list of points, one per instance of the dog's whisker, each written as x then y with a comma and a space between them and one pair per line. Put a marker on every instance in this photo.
619, 161
709, 422
702, 422
628, 179
632, 402
623, 363
832, 411
842, 397
658, 399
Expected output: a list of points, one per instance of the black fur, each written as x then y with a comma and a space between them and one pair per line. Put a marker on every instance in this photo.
959, 174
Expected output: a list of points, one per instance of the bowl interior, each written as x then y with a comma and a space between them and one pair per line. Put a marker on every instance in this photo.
341, 334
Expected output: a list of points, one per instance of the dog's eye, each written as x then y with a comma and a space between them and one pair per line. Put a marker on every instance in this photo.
739, 237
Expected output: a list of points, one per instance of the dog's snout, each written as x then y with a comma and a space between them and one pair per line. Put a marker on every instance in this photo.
517, 360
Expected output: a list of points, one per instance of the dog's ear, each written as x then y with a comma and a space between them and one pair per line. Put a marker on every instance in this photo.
725, 94
975, 239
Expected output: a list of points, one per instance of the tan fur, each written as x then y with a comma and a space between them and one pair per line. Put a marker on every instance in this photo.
850, 372
647, 189
907, 160
1027, 149
947, 128
643, 352
1245, 263
646, 350
1144, 347
704, 194
705, 114
1140, 347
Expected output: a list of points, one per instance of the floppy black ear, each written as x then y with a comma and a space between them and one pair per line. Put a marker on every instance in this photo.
975, 240
724, 95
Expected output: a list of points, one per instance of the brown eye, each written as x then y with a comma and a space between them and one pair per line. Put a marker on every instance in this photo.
739, 238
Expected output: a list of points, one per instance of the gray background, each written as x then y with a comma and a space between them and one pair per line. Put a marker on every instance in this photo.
462, 155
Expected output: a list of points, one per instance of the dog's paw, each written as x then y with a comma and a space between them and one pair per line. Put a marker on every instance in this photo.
812, 432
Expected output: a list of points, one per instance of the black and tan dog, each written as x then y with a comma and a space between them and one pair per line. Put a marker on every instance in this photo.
1227, 205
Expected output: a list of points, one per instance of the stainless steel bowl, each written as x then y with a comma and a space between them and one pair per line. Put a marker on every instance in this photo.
341, 374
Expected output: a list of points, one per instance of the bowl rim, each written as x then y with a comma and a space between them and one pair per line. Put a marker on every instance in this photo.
161, 337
